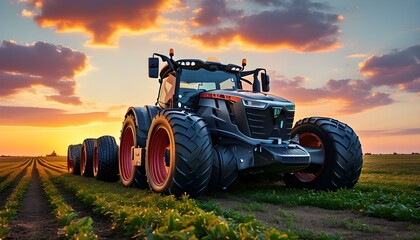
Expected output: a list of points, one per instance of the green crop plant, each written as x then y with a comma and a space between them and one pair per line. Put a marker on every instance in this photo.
71, 227
141, 213
9, 211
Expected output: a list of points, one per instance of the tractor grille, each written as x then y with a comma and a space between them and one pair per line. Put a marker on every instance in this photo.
263, 125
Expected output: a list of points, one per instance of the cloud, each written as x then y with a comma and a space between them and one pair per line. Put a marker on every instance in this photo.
355, 95
390, 132
101, 19
298, 25
357, 55
400, 68
40, 64
212, 12
48, 117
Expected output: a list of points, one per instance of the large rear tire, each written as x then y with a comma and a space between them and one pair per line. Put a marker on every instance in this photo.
225, 169
336, 155
86, 157
73, 159
105, 160
130, 175
179, 154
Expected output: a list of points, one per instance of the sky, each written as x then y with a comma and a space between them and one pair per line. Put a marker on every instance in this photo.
70, 69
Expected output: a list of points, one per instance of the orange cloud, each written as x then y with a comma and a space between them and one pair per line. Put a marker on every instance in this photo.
101, 19
24, 67
298, 25
48, 117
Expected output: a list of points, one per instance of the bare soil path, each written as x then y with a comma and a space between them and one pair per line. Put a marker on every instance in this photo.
35, 219
344, 223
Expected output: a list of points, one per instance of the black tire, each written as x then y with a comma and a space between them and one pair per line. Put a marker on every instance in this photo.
339, 155
130, 175
105, 160
73, 159
225, 169
86, 157
183, 142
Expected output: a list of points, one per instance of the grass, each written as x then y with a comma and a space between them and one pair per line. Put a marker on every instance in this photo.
388, 188
251, 207
352, 224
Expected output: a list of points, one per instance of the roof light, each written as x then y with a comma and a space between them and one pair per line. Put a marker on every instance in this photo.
171, 52
243, 62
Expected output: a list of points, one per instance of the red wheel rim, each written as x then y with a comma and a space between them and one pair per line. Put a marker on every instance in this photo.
69, 162
126, 165
83, 161
310, 140
158, 166
95, 161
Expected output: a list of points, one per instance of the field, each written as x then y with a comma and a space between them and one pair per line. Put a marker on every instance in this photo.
38, 199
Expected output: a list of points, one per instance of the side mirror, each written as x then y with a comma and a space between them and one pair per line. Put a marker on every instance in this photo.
265, 80
153, 67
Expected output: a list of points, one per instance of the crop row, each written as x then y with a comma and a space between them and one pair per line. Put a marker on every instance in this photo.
14, 201
71, 226
143, 214
54, 167
9, 175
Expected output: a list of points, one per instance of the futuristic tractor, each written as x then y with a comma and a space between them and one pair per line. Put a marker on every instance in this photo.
205, 129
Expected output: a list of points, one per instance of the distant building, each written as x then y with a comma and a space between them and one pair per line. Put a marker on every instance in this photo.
53, 154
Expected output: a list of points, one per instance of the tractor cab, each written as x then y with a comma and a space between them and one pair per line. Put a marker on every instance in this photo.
183, 80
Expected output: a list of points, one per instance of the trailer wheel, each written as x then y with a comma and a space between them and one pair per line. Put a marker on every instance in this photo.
179, 154
86, 157
105, 159
73, 159
225, 169
130, 175
336, 155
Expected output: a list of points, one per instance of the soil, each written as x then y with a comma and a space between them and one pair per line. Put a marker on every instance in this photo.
6, 192
35, 219
102, 226
344, 223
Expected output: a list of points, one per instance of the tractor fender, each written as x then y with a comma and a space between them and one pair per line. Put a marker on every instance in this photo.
142, 118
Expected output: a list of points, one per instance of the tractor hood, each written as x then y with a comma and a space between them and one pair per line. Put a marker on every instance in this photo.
237, 95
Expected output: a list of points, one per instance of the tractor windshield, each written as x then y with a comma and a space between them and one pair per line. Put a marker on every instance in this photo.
193, 81
207, 80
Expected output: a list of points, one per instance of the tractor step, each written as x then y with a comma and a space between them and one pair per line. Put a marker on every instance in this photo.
281, 158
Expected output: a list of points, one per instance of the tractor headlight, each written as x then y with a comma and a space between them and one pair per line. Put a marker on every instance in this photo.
290, 107
254, 104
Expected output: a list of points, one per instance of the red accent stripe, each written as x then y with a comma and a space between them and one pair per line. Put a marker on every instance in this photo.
220, 96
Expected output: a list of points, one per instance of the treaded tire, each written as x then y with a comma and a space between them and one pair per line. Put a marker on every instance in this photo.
225, 169
342, 155
131, 135
182, 141
73, 158
105, 160
86, 157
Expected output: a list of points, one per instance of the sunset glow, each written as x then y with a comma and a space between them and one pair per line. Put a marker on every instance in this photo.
70, 69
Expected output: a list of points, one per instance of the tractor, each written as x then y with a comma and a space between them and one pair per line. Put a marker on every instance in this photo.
205, 130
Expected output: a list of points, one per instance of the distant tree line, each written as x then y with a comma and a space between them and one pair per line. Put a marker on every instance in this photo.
395, 153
